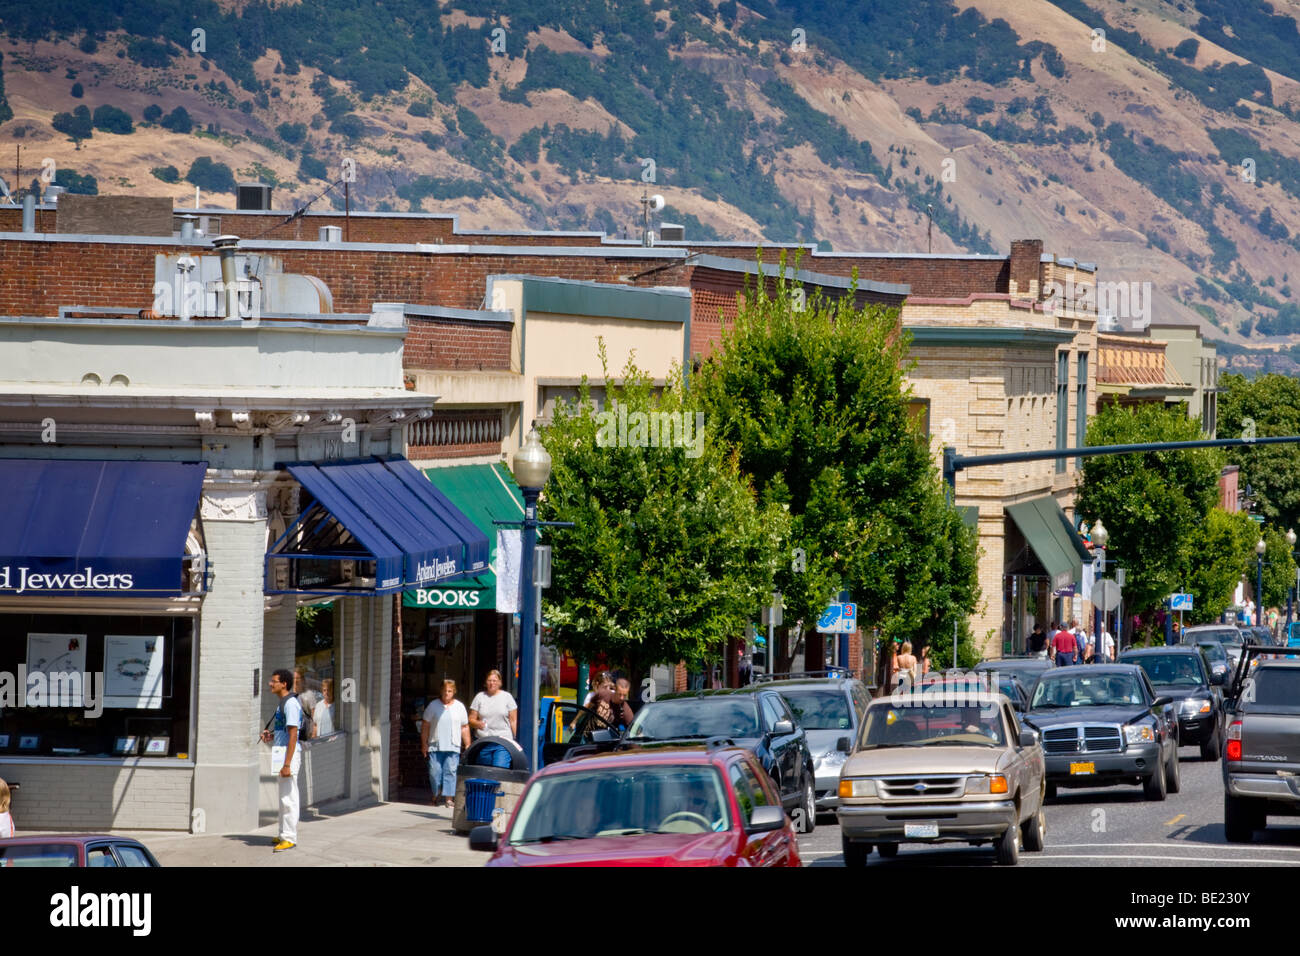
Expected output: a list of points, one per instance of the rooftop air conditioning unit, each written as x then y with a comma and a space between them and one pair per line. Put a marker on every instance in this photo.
255, 196
671, 232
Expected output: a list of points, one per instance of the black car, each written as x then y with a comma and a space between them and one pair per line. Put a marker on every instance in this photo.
1102, 725
1180, 673
827, 708
1216, 661
756, 718
1025, 669
1228, 635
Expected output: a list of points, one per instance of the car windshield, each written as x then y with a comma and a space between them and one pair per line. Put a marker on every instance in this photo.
38, 854
1086, 690
622, 802
921, 725
826, 709
1172, 670
696, 717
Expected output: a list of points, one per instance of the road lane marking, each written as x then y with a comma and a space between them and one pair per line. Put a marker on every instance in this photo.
1170, 823
1184, 859
1162, 846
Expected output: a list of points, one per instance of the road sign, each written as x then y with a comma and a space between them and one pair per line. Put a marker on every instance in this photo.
1105, 594
838, 619
1180, 602
1258, 519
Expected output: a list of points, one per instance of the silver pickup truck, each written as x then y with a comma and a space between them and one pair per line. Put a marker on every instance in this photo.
1261, 761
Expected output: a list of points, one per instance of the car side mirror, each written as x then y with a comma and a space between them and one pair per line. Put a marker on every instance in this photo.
602, 736
764, 819
483, 838
1219, 678
1161, 702
782, 727
1028, 738
844, 745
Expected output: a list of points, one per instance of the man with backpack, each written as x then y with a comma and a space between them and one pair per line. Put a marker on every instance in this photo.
282, 733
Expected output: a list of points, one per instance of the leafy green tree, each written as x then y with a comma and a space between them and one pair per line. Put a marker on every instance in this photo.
113, 120
212, 176
670, 552
1219, 551
168, 174
1279, 566
1151, 502
1267, 406
178, 121
77, 124
814, 401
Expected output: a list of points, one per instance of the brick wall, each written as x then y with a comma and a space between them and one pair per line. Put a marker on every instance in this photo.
449, 345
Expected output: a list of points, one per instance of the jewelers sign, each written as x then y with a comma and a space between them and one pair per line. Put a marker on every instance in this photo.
20, 579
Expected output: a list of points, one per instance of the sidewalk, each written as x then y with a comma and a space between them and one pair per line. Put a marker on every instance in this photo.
386, 834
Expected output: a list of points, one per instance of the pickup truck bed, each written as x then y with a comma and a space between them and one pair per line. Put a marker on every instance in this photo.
1261, 762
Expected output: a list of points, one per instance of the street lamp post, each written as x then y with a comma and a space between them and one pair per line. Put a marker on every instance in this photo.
1260, 548
1099, 538
532, 466
1290, 592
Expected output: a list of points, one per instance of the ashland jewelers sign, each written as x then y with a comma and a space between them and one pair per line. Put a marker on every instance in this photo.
22, 580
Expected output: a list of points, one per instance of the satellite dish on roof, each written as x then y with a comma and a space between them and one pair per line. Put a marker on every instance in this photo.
656, 203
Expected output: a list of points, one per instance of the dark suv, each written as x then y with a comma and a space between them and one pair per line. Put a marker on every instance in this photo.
756, 718
1179, 672
827, 708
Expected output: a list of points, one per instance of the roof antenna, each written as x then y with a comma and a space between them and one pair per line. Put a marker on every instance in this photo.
649, 204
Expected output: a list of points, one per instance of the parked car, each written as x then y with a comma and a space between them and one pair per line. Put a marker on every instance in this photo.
1026, 669
1226, 634
827, 709
1104, 724
701, 805
1262, 757
933, 772
755, 718
74, 850
1180, 673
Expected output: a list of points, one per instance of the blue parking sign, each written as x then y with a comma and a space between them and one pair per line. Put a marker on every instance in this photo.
1180, 602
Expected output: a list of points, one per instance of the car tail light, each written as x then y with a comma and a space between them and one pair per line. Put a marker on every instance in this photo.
1233, 750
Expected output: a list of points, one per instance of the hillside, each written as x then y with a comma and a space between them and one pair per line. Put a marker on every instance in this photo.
1167, 150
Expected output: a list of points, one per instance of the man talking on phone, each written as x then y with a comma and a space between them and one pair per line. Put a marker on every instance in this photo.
282, 735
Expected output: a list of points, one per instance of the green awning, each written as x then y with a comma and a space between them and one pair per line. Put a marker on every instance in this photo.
484, 494
1052, 538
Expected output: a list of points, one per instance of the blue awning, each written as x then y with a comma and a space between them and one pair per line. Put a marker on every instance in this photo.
382, 514
103, 528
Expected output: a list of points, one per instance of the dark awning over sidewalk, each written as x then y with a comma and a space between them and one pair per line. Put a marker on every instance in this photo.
101, 528
1052, 538
374, 526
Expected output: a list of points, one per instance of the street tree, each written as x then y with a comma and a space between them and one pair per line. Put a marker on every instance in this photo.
1279, 566
670, 553
1265, 407
1220, 550
1151, 502
810, 390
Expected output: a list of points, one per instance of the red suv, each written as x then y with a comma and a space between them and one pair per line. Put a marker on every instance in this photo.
709, 805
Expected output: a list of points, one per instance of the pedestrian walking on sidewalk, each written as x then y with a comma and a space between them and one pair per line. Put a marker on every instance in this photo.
286, 755
494, 713
6, 820
1064, 648
443, 732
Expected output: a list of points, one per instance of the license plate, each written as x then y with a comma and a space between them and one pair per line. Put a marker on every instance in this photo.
920, 829
1083, 768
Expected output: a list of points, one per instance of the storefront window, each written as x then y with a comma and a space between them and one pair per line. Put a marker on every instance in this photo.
314, 667
96, 685
437, 646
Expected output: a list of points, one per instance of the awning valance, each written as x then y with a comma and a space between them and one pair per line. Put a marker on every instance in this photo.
484, 494
97, 528
1052, 538
373, 526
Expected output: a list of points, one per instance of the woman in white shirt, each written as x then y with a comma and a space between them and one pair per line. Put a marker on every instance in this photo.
443, 732
494, 713
6, 821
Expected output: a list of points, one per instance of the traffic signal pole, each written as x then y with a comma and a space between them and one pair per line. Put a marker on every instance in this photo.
953, 462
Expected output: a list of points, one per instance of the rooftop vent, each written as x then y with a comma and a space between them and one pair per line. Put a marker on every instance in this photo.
255, 196
671, 232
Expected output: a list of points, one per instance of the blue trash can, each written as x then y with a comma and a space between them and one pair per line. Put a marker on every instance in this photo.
481, 799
